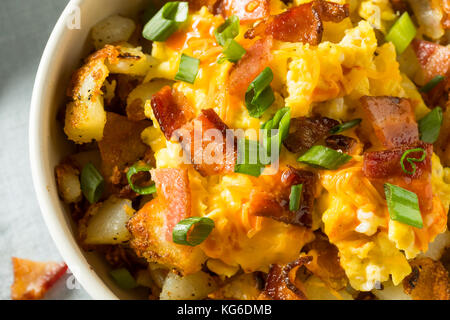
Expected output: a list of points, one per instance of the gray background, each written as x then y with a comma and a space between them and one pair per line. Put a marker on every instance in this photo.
25, 26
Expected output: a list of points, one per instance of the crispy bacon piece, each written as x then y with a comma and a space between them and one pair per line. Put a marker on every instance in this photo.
171, 110
428, 280
302, 23
205, 140
384, 166
325, 263
245, 10
434, 60
305, 132
33, 279
392, 119
340, 142
172, 186
275, 203
281, 283
256, 59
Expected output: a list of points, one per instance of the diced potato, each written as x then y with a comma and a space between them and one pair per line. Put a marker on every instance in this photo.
68, 179
138, 97
191, 287
391, 292
111, 30
242, 287
437, 248
131, 61
108, 224
316, 289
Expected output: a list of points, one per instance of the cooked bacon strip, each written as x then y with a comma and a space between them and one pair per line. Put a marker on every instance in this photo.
274, 202
305, 132
281, 283
393, 120
302, 23
245, 10
325, 263
428, 280
210, 157
384, 166
33, 279
434, 60
172, 186
171, 110
256, 59
340, 142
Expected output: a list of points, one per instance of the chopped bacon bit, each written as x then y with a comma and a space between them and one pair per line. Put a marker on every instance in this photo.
428, 280
275, 204
170, 109
302, 23
434, 60
305, 132
341, 143
209, 156
393, 120
384, 166
245, 10
172, 186
282, 284
33, 279
256, 59
325, 263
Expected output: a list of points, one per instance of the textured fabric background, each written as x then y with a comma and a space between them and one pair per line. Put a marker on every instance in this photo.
25, 26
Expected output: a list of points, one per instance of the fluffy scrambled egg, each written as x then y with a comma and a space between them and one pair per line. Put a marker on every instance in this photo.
328, 78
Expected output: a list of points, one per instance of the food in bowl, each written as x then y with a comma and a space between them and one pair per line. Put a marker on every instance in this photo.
266, 149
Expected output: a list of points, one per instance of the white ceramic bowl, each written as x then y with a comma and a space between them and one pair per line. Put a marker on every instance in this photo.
48, 145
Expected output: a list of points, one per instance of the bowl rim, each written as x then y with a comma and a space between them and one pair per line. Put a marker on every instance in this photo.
54, 217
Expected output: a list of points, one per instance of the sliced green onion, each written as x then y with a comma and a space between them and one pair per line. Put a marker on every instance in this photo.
227, 31
244, 164
259, 95
232, 51
412, 160
402, 33
202, 227
92, 183
295, 197
281, 121
123, 278
430, 125
320, 156
403, 205
431, 84
140, 167
345, 126
188, 69
166, 21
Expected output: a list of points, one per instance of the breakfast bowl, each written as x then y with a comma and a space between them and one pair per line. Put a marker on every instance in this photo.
246, 149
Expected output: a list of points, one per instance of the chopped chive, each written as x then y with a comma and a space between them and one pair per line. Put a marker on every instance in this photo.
431, 84
201, 228
232, 51
92, 183
188, 69
281, 121
123, 278
227, 31
403, 205
345, 126
247, 161
259, 95
140, 167
412, 160
323, 157
402, 33
166, 21
295, 197
430, 125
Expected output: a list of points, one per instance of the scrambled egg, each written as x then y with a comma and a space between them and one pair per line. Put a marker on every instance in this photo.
329, 78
